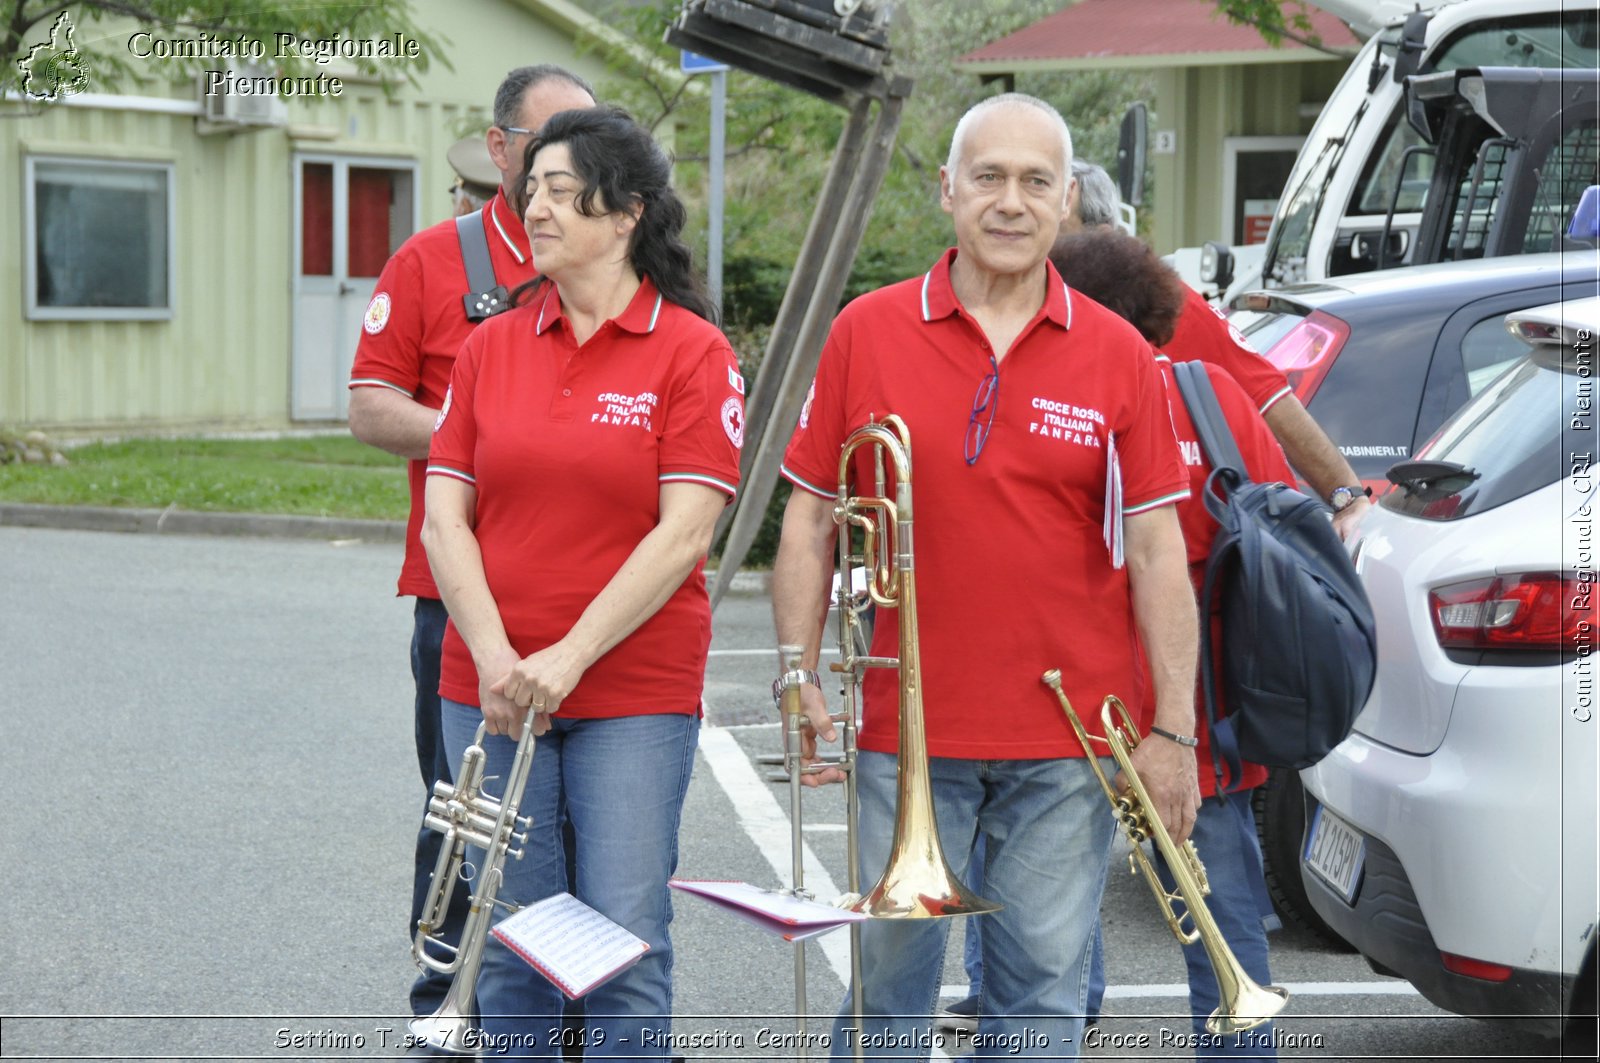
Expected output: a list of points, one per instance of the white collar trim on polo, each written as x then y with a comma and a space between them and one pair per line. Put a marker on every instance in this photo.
927, 314
494, 216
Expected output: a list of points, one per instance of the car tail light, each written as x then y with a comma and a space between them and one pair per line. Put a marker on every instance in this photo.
1306, 352
1537, 611
1489, 972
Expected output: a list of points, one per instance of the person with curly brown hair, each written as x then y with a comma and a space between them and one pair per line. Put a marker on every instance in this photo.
1124, 275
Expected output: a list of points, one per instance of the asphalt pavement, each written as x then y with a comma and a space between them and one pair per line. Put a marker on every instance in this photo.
213, 796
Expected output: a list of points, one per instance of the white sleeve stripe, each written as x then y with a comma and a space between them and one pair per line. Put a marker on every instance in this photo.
698, 478
445, 470
1273, 401
375, 382
799, 482
1154, 503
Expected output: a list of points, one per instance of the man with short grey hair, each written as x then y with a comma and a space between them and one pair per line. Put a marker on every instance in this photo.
1039, 427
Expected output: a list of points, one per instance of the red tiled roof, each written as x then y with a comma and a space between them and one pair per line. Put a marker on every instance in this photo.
1142, 30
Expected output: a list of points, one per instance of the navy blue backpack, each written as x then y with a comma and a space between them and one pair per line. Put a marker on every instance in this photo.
1299, 643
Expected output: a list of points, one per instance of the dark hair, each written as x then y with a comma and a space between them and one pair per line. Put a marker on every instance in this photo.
508, 97
1121, 273
621, 166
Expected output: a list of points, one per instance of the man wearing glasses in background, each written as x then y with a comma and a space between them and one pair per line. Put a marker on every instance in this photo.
1045, 472
414, 326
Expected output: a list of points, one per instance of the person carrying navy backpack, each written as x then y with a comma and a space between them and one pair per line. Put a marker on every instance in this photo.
1125, 275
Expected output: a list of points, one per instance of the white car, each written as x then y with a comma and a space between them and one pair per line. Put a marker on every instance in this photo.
1452, 836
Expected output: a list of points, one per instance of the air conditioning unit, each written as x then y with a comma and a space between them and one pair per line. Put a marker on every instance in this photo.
239, 98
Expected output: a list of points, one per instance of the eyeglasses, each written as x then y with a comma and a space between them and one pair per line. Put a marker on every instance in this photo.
515, 129
983, 407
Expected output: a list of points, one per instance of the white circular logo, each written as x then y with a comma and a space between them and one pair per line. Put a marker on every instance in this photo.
805, 411
444, 411
377, 314
733, 420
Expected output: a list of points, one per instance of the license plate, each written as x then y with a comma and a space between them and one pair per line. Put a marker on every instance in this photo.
1335, 852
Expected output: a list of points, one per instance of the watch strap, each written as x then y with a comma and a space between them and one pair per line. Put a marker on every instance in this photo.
1187, 741
793, 678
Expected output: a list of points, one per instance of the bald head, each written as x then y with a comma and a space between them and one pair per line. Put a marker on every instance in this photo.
983, 108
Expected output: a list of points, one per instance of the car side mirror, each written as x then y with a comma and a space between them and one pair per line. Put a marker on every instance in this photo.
1216, 264
1131, 154
1413, 38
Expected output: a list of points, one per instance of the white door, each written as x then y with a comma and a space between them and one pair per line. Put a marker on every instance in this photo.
351, 214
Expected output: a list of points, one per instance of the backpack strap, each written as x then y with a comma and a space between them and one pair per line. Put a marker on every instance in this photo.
486, 296
1216, 438
1224, 744
1228, 473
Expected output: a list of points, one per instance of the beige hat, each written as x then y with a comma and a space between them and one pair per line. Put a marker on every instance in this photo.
469, 158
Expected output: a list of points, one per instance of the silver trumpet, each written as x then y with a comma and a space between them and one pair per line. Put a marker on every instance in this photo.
466, 815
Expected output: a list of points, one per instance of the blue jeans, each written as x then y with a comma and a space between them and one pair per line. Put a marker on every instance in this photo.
622, 782
972, 949
433, 762
1047, 828
1225, 836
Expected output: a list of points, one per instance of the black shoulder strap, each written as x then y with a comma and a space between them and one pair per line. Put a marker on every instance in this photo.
1222, 452
486, 296
1227, 473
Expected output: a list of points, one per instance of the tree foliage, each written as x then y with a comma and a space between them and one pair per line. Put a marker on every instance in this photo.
28, 27
1276, 21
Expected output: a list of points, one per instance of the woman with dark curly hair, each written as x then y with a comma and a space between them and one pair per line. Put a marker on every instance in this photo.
1125, 275
589, 440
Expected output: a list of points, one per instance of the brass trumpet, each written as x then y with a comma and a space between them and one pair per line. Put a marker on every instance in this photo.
468, 815
1244, 1004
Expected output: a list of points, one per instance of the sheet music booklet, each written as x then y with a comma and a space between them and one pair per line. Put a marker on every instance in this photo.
793, 918
570, 943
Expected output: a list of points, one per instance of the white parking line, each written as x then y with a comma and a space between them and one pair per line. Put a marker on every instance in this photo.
1387, 988
767, 824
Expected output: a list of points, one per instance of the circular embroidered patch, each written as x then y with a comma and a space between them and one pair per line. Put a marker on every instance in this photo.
805, 411
377, 314
733, 420
444, 411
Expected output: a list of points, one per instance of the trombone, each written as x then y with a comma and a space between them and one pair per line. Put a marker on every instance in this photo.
917, 882
1244, 1004
466, 814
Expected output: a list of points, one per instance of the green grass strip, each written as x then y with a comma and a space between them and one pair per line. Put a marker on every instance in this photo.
331, 476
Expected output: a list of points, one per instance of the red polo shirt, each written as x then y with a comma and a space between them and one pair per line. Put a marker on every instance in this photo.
1265, 463
414, 326
1204, 335
568, 447
1013, 573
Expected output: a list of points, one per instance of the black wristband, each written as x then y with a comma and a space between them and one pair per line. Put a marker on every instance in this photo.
1186, 741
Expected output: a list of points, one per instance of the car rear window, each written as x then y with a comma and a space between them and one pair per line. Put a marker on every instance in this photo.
1511, 435
1263, 328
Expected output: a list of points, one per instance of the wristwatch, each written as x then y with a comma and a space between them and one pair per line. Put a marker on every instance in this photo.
793, 679
1187, 741
1340, 497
